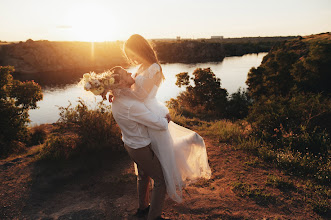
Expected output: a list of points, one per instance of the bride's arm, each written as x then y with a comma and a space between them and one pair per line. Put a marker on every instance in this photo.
145, 83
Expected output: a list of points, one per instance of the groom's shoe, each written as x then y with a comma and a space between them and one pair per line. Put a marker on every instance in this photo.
141, 212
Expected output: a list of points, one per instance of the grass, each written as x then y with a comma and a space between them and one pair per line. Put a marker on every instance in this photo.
239, 135
313, 170
259, 195
224, 131
280, 183
253, 162
202, 183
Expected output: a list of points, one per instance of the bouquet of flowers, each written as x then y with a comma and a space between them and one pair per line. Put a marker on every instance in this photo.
98, 84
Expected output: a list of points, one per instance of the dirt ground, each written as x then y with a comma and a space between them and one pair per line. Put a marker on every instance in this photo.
103, 186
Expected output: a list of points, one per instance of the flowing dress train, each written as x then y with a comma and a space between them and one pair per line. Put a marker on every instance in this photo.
181, 151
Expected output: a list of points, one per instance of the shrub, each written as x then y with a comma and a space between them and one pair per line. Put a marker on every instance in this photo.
59, 146
37, 135
82, 130
293, 122
238, 104
317, 167
16, 98
95, 127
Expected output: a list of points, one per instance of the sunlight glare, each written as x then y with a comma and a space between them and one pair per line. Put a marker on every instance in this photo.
92, 23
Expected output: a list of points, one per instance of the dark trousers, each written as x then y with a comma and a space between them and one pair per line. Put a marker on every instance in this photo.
149, 167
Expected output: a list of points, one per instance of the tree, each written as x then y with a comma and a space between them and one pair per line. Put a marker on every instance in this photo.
206, 97
299, 65
16, 98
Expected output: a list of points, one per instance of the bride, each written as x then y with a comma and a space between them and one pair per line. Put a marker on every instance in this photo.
181, 152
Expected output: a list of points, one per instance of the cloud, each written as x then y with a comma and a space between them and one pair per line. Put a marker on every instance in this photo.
64, 26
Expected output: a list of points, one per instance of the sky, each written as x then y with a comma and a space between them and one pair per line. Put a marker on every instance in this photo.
109, 20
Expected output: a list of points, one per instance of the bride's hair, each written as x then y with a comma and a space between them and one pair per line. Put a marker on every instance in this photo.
141, 48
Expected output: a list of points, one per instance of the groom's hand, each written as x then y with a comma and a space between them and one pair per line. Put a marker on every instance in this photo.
168, 117
103, 95
110, 98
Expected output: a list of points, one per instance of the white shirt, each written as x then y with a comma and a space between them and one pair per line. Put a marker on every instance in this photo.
133, 118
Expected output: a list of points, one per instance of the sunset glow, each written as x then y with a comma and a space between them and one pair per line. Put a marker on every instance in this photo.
110, 20
92, 23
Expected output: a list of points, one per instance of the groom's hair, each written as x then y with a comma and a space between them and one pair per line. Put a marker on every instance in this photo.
117, 72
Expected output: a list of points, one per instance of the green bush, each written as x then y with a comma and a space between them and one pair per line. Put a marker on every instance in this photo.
298, 65
37, 135
205, 99
16, 98
238, 104
59, 147
82, 130
294, 122
95, 127
290, 114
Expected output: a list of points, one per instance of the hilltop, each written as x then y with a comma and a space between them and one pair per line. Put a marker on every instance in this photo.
102, 185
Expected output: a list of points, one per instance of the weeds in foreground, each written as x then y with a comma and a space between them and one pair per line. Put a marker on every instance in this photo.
37, 135
82, 129
305, 165
259, 195
59, 147
280, 183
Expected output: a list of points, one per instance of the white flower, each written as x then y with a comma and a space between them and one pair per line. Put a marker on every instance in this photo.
86, 76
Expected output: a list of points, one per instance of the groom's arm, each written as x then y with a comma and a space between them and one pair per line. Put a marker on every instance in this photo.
144, 116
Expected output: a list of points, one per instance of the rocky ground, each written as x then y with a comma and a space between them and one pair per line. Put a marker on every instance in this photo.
103, 186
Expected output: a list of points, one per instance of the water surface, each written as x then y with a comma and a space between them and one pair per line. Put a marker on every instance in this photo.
232, 71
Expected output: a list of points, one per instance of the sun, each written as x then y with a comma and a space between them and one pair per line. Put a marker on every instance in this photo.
92, 23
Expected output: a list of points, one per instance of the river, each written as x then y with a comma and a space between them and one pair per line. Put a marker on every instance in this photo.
232, 71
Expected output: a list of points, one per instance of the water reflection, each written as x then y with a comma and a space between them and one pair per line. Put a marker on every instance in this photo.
61, 88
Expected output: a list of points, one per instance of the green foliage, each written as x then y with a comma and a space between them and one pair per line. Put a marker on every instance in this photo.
59, 147
280, 183
212, 50
183, 79
316, 167
37, 135
312, 73
291, 112
299, 65
16, 98
238, 104
259, 195
82, 130
96, 127
206, 98
225, 131
295, 122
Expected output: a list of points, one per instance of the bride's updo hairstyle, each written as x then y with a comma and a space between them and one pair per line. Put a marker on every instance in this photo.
139, 51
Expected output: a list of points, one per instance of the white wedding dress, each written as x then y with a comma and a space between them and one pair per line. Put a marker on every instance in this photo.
182, 152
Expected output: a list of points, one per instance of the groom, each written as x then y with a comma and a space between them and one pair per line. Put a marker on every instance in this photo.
133, 118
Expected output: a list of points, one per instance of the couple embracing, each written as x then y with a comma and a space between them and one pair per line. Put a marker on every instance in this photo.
171, 155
